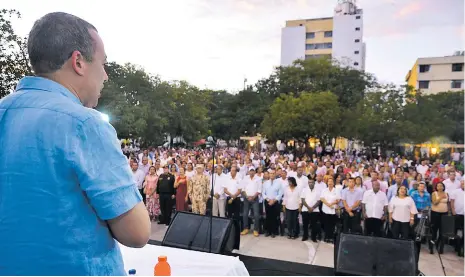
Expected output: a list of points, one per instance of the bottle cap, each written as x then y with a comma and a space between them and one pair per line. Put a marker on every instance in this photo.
162, 258
132, 272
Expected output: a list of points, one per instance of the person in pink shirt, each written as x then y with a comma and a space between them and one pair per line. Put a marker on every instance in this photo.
374, 177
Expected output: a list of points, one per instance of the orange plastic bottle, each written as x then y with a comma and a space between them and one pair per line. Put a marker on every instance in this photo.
162, 268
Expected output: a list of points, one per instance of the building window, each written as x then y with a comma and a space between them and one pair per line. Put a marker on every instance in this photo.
312, 46
357, 17
310, 35
457, 67
318, 56
357, 29
356, 52
424, 68
456, 83
423, 84
355, 63
328, 34
357, 40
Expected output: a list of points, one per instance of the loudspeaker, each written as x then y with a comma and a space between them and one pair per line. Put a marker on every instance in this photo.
363, 255
192, 231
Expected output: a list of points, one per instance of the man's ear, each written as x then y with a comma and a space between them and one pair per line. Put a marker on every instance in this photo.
78, 63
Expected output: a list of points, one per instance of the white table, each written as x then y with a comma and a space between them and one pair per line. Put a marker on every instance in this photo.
182, 262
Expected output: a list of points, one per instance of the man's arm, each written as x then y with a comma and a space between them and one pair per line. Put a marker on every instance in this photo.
105, 177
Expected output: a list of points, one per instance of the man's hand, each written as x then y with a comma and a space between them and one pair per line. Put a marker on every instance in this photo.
173, 196
310, 210
383, 218
364, 216
250, 198
411, 221
351, 214
217, 196
230, 200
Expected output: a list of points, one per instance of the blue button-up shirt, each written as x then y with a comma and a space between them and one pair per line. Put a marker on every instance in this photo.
272, 189
62, 175
421, 202
392, 191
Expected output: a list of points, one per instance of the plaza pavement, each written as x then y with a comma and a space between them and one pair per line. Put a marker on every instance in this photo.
308, 252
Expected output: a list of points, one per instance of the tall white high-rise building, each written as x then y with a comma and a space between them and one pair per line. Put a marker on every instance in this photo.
339, 37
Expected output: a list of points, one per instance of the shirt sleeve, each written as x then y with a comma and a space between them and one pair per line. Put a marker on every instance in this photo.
364, 198
413, 207
391, 205
102, 169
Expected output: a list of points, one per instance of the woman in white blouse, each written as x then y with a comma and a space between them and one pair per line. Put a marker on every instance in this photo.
330, 199
291, 203
402, 211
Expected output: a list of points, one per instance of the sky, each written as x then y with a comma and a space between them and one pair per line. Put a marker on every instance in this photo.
217, 43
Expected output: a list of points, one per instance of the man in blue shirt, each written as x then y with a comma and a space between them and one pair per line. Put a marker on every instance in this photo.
272, 194
64, 204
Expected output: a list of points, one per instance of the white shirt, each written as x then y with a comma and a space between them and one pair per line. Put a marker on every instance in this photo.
302, 182
311, 197
190, 174
292, 173
291, 198
251, 186
402, 208
320, 186
330, 196
451, 186
422, 169
138, 177
374, 203
458, 195
232, 184
219, 182
354, 174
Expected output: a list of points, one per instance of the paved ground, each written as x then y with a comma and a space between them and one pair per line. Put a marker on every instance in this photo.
281, 248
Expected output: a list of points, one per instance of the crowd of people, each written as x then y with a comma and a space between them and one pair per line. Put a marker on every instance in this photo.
274, 193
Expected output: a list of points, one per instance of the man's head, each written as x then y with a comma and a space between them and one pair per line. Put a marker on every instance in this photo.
319, 178
351, 182
421, 186
233, 171
134, 166
68, 50
300, 171
452, 175
311, 183
219, 169
145, 160
374, 176
166, 169
199, 169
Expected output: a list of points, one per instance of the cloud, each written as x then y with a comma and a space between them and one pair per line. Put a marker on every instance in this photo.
409, 9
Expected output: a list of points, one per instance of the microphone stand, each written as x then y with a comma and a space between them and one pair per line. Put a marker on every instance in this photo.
213, 145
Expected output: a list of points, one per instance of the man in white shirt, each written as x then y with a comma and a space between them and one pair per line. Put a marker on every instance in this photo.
422, 168
374, 209
321, 170
232, 189
319, 184
451, 183
310, 211
301, 179
251, 190
457, 207
139, 178
218, 181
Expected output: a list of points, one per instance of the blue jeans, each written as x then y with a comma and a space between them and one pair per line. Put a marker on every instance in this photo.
256, 214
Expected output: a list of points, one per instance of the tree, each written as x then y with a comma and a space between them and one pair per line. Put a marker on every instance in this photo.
14, 60
315, 75
307, 115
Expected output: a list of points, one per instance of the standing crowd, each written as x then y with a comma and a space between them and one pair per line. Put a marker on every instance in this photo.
316, 196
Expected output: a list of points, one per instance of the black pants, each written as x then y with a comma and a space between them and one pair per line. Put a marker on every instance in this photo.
373, 227
271, 220
351, 223
312, 219
234, 211
291, 222
141, 191
436, 225
166, 207
329, 221
400, 228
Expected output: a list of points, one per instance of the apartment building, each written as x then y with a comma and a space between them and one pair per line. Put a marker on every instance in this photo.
339, 37
437, 74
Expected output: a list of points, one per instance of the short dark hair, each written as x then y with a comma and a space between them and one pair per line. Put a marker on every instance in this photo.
53, 39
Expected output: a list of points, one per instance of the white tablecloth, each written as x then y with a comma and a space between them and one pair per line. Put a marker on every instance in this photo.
182, 262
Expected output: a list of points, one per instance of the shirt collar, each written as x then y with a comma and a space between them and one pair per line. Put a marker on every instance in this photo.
40, 83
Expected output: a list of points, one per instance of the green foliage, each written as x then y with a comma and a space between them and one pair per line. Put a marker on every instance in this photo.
14, 61
303, 116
